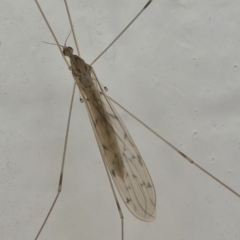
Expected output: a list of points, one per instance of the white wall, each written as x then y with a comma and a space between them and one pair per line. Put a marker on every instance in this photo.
177, 68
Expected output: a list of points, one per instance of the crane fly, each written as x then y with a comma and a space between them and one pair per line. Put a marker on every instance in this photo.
118, 150
122, 160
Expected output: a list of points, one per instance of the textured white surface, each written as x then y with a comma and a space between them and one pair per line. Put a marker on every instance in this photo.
177, 68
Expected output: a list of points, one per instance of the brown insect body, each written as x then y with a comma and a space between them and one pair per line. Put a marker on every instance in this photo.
82, 73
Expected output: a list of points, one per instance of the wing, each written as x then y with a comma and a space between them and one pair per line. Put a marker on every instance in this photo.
133, 180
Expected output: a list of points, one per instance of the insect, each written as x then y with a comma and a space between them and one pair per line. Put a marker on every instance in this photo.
121, 157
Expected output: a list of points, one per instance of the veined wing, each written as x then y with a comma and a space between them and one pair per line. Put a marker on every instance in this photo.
121, 155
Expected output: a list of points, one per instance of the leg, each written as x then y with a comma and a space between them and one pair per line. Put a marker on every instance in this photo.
116, 200
62, 168
51, 31
72, 29
120, 34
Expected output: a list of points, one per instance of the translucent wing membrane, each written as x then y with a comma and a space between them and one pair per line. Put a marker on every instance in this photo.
121, 155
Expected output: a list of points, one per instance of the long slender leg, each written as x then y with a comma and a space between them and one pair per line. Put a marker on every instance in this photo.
51, 31
62, 167
176, 149
116, 199
120, 34
72, 28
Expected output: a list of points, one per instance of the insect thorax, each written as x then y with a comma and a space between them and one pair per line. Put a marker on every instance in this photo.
81, 70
